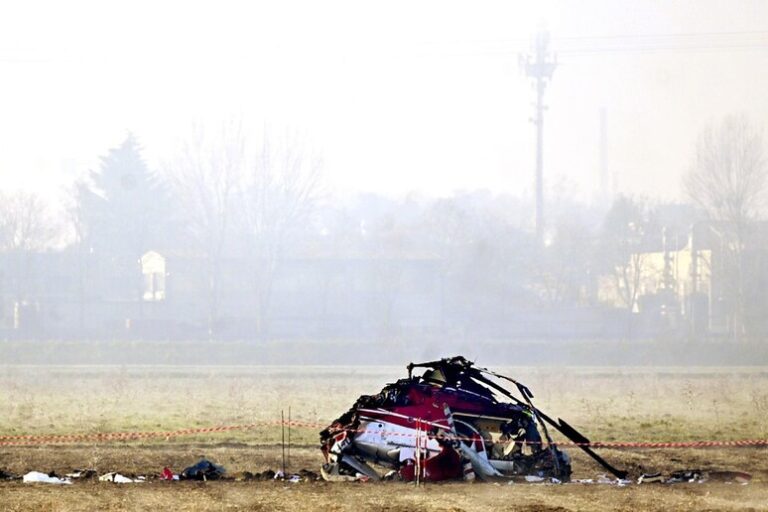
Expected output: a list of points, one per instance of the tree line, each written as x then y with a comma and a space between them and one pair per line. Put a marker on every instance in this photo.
223, 196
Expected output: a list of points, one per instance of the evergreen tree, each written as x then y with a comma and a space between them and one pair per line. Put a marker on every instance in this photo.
123, 207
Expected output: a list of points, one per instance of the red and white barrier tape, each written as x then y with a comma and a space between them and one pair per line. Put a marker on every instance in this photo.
36, 440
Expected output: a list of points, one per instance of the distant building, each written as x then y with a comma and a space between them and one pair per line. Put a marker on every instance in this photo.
690, 285
153, 271
169, 296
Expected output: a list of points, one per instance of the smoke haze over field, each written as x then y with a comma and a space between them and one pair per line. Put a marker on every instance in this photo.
402, 97
343, 173
214, 213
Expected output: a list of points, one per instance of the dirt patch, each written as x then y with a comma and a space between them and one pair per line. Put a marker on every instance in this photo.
319, 495
394, 497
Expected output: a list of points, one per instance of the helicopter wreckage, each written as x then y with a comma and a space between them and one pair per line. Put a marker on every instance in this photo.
455, 421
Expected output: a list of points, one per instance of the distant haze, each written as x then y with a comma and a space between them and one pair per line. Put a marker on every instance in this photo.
396, 96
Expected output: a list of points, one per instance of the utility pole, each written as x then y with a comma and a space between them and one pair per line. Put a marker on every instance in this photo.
540, 69
605, 192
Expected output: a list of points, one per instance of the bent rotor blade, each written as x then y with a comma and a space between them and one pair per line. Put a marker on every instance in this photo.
582, 442
561, 426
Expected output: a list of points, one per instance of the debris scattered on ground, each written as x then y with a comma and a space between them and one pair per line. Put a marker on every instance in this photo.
169, 475
45, 478
602, 480
294, 478
696, 476
242, 476
605, 479
206, 470
121, 479
331, 473
650, 478
84, 474
309, 475
203, 470
535, 479
686, 475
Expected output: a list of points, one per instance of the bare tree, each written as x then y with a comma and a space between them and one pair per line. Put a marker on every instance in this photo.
279, 194
627, 276
562, 272
77, 220
25, 223
205, 179
236, 201
729, 181
625, 232
26, 228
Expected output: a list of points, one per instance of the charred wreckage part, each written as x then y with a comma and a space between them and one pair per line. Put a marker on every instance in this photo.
449, 424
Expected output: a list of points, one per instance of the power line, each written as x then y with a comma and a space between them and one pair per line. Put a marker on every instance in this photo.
559, 39
672, 34
634, 43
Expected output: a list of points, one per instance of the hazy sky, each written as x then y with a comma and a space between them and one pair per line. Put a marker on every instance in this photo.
397, 96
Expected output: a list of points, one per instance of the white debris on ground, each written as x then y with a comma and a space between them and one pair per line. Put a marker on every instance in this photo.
696, 476
676, 477
44, 478
120, 479
602, 480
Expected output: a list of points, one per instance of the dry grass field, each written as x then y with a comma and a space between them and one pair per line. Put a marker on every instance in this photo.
607, 404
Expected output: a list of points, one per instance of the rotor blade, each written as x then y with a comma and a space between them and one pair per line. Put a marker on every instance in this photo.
479, 376
582, 442
524, 390
564, 428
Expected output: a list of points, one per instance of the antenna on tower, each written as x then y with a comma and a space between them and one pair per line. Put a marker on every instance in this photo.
540, 68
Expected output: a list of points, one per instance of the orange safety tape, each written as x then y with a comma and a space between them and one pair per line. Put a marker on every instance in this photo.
34, 440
